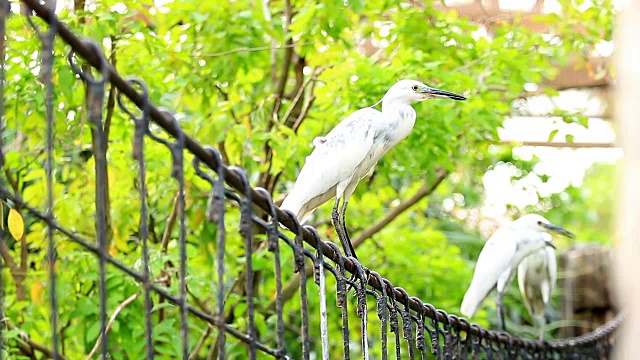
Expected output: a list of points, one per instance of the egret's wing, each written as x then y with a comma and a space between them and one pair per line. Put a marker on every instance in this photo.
522, 281
552, 268
494, 259
529, 282
334, 159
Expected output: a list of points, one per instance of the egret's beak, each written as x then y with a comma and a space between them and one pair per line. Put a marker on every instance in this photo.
559, 230
433, 93
549, 243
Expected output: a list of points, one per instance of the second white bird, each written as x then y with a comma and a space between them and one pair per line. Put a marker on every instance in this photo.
500, 257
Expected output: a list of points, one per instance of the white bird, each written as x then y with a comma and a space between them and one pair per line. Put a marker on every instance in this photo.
500, 256
537, 275
351, 150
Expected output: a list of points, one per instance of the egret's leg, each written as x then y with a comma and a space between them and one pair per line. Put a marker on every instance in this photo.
500, 313
343, 211
541, 324
337, 223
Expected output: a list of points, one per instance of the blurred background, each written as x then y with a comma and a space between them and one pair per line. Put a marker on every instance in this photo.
259, 80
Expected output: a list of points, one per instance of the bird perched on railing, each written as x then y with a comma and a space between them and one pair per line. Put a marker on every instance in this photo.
537, 275
351, 150
500, 256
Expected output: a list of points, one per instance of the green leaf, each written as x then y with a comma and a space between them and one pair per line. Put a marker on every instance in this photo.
162, 305
67, 80
584, 121
92, 332
551, 92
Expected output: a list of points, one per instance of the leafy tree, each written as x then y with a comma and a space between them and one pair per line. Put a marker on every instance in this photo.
259, 83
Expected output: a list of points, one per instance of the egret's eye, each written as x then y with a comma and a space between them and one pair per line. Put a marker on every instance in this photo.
539, 222
415, 88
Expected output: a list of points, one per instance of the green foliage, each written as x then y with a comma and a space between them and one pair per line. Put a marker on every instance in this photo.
211, 63
587, 208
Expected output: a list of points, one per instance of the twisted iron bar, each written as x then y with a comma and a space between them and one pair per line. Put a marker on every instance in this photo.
393, 303
141, 128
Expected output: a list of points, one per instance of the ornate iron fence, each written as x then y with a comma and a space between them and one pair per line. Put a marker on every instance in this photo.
405, 326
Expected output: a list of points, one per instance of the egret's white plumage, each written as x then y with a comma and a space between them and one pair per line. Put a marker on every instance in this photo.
500, 256
350, 151
338, 161
537, 275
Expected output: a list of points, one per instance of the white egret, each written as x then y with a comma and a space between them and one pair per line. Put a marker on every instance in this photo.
351, 150
537, 275
500, 256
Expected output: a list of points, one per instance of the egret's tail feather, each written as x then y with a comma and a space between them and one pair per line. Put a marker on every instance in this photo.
468, 307
292, 205
472, 300
305, 216
299, 208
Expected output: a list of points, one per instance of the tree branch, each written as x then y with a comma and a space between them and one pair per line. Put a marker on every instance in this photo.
115, 314
272, 47
470, 64
310, 98
560, 144
296, 102
286, 61
273, 56
203, 338
302, 112
18, 271
24, 263
236, 288
225, 97
423, 192
269, 180
171, 221
289, 289
12, 180
166, 236
201, 304
266, 177
8, 259
25, 337
221, 147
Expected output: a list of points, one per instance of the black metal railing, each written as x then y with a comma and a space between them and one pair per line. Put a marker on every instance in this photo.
405, 325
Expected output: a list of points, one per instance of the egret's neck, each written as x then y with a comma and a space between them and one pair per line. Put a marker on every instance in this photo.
400, 111
400, 118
